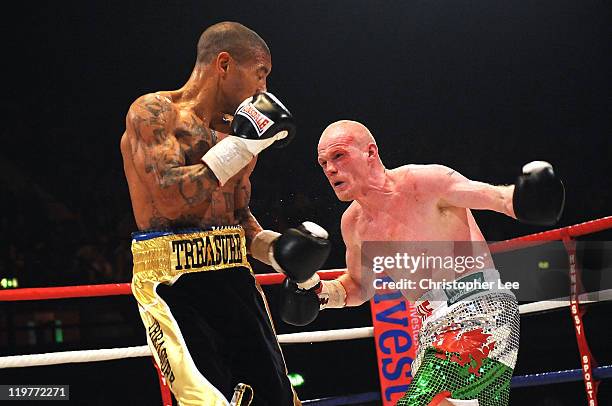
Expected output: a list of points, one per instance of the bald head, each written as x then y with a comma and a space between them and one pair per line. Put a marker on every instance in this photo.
352, 132
348, 155
239, 41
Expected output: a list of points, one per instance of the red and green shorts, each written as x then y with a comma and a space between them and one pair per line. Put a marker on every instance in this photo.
467, 350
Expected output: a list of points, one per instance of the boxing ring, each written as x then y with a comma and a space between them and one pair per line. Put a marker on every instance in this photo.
587, 369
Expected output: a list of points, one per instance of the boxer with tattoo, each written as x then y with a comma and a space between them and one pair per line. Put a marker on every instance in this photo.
187, 157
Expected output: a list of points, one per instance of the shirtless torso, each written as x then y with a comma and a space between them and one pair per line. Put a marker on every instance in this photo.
413, 211
169, 186
167, 133
412, 203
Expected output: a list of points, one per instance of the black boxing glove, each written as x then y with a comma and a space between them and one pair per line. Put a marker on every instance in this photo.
298, 307
248, 121
539, 195
300, 303
300, 252
259, 122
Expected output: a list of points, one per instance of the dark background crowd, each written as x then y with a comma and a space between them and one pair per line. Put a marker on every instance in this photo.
482, 87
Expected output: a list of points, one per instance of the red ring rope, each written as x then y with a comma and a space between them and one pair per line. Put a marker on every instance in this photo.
65, 292
588, 227
112, 289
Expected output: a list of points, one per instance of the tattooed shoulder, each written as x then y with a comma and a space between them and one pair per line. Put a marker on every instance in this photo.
150, 116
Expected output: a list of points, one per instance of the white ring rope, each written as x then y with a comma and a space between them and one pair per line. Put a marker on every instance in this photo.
330, 335
552, 304
53, 358
66, 357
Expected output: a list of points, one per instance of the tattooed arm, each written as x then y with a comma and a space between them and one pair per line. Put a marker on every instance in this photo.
159, 161
243, 213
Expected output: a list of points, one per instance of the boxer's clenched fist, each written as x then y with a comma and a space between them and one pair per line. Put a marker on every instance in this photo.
259, 122
539, 195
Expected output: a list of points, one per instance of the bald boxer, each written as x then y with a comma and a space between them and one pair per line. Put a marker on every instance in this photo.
430, 207
187, 157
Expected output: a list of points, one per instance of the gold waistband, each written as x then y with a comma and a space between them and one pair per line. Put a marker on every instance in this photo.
166, 257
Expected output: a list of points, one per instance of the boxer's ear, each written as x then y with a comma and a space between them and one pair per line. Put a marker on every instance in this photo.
222, 62
372, 150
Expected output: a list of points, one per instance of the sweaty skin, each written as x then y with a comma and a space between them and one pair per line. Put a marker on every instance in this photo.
168, 132
409, 203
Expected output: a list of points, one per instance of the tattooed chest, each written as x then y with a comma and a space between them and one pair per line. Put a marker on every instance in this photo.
195, 139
